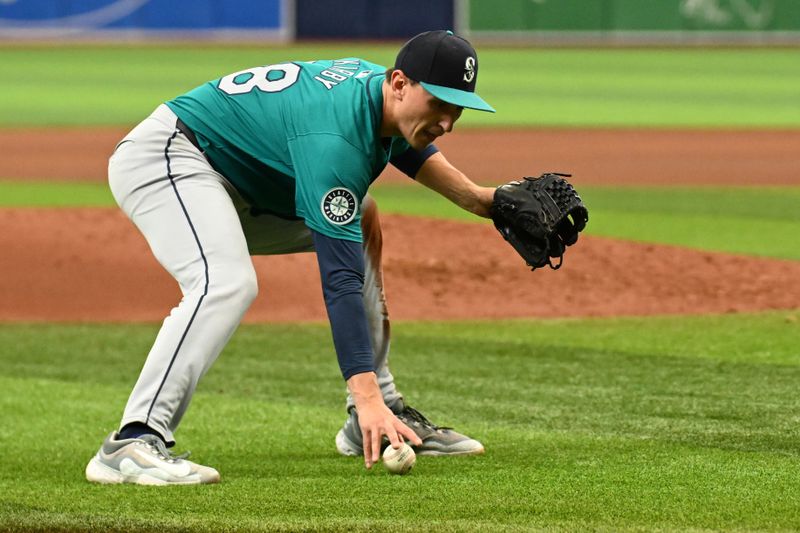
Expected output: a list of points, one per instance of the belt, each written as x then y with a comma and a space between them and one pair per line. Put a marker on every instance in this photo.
183, 128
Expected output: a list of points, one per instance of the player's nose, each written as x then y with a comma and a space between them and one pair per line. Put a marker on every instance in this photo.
446, 123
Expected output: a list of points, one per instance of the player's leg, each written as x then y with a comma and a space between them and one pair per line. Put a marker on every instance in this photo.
375, 301
182, 208
435, 440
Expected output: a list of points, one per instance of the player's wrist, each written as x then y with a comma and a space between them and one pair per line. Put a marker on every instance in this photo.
484, 196
364, 389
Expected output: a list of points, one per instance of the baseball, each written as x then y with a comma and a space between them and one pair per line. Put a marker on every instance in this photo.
399, 461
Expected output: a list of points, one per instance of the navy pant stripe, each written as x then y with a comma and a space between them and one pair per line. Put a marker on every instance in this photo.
205, 266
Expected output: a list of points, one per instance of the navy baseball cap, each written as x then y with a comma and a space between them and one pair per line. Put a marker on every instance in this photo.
446, 65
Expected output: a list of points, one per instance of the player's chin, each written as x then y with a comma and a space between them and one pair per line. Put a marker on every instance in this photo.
421, 140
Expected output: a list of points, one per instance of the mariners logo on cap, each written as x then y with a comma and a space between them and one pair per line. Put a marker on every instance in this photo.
339, 206
469, 69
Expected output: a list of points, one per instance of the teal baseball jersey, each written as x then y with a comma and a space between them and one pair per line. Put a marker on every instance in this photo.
296, 139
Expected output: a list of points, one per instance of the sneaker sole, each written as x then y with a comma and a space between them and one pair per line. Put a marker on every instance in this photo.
97, 472
476, 451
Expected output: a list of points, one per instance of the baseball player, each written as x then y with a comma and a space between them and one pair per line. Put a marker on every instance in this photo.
271, 160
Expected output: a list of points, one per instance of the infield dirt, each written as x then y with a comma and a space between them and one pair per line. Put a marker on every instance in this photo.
92, 264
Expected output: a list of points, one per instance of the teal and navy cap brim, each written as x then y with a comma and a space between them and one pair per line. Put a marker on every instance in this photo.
458, 97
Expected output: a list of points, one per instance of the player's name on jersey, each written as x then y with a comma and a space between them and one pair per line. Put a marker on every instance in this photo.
341, 70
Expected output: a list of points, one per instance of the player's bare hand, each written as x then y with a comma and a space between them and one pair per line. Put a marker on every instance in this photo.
376, 420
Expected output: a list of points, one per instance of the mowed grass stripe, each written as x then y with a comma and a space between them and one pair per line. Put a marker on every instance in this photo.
754, 221
54, 194
119, 85
668, 423
774, 203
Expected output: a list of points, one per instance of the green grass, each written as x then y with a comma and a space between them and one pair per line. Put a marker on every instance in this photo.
119, 85
754, 221
54, 194
661, 424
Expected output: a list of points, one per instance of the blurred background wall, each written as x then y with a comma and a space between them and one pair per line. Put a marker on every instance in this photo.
371, 19
610, 21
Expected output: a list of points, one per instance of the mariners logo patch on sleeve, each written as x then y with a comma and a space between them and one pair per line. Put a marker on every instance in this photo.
339, 206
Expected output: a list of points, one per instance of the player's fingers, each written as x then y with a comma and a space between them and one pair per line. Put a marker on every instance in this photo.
376, 446
409, 434
394, 438
367, 440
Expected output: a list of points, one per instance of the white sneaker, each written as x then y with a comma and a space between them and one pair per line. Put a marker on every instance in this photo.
145, 461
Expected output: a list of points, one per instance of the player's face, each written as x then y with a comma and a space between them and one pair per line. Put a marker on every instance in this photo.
425, 117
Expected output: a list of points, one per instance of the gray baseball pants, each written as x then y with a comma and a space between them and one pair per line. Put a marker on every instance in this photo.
201, 231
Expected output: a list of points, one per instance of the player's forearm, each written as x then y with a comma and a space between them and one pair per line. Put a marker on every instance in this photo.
365, 390
341, 267
439, 175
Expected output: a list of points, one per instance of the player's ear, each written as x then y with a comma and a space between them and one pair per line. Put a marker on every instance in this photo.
398, 83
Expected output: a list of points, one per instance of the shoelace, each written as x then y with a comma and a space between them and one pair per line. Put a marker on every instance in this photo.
416, 416
162, 451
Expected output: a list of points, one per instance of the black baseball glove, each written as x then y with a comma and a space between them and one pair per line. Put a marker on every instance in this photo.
539, 217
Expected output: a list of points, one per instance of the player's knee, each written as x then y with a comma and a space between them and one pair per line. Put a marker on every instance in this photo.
368, 202
237, 288
369, 213
371, 225
245, 285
